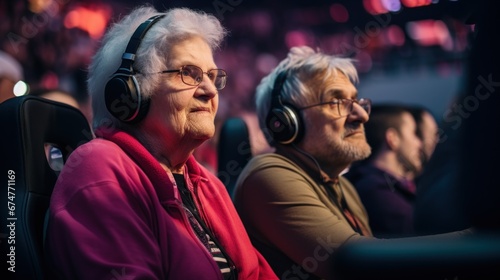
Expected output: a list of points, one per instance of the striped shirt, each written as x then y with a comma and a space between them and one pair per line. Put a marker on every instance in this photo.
202, 231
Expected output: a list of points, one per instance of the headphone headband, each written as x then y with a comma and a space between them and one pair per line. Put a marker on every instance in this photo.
122, 93
128, 57
278, 86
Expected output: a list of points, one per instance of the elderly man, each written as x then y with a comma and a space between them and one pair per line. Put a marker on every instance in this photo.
296, 206
294, 203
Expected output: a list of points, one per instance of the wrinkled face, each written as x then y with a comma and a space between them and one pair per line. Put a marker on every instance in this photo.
181, 112
334, 140
409, 150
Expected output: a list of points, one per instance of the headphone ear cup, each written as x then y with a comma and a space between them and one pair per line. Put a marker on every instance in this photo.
284, 124
123, 98
122, 94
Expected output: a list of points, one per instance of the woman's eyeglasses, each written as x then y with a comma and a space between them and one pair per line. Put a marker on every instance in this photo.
193, 75
345, 106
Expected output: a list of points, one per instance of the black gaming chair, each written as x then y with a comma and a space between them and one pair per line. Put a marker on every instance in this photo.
233, 151
37, 137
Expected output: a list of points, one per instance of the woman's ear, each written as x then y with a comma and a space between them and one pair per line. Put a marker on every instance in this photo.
392, 138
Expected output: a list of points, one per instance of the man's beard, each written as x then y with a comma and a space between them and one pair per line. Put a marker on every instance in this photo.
344, 153
352, 152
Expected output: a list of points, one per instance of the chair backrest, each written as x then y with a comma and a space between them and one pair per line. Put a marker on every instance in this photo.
34, 132
233, 151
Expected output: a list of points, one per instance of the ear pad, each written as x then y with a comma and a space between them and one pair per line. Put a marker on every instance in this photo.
283, 121
123, 98
122, 93
283, 124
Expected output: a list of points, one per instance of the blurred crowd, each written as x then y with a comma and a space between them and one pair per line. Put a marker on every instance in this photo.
54, 41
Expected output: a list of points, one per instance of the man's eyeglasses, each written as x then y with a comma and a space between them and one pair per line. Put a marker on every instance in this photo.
193, 75
345, 106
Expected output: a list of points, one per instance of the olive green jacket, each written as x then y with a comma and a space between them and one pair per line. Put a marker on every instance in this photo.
291, 218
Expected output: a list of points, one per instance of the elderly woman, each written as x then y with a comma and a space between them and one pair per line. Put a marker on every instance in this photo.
133, 202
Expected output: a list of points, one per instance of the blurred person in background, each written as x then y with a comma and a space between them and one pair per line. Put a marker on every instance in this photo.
384, 180
58, 95
11, 72
427, 131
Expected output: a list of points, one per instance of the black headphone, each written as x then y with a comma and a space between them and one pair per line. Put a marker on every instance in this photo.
283, 122
122, 93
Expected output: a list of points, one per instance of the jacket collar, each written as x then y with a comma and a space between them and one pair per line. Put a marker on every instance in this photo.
163, 182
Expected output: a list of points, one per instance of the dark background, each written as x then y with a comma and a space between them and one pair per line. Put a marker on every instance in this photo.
54, 54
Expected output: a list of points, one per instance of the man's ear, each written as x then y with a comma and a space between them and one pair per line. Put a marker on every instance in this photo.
392, 138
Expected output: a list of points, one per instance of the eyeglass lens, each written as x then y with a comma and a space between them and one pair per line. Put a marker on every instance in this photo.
193, 75
346, 106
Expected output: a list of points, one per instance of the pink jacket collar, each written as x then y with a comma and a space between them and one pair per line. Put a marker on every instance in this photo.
163, 182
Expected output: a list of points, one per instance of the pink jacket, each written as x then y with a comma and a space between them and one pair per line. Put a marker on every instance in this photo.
116, 214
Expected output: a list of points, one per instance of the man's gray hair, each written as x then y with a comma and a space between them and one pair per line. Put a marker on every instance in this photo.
307, 70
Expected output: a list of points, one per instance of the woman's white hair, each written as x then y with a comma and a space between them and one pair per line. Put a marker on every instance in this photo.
307, 70
152, 54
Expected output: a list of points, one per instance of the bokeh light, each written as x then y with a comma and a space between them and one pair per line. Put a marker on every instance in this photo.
20, 88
